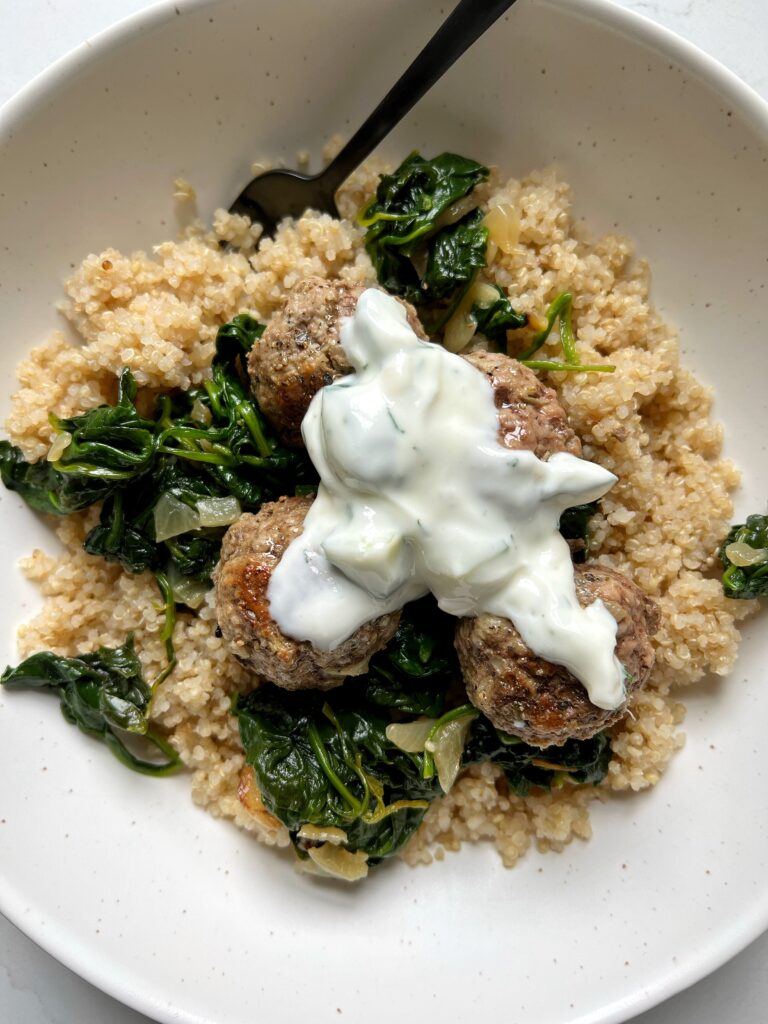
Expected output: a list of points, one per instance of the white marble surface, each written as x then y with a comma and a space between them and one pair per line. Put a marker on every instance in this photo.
34, 988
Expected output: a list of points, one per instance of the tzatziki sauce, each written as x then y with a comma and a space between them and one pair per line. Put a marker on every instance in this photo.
418, 495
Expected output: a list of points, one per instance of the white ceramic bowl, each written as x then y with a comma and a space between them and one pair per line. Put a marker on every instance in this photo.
120, 876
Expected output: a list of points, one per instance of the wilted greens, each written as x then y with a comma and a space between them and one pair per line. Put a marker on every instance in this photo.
560, 309
412, 674
576, 761
744, 554
207, 444
169, 484
105, 695
427, 240
327, 761
425, 234
495, 319
574, 526
326, 758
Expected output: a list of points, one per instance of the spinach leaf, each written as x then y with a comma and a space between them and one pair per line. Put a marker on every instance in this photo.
385, 688
409, 202
496, 319
105, 695
396, 273
324, 759
236, 450
560, 309
110, 446
406, 228
126, 532
195, 554
746, 581
579, 761
37, 483
428, 250
415, 670
422, 646
110, 443
119, 539
455, 254
235, 339
574, 526
210, 442
328, 762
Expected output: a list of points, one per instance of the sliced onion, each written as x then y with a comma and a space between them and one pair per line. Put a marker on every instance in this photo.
503, 223
447, 747
185, 590
323, 834
307, 867
461, 328
200, 413
743, 554
484, 294
173, 517
340, 863
249, 796
419, 260
410, 736
59, 445
218, 511
459, 331
457, 210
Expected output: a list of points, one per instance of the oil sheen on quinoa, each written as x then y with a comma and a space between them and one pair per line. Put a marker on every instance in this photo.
648, 423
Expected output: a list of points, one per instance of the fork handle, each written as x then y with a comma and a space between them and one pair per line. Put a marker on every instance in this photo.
466, 23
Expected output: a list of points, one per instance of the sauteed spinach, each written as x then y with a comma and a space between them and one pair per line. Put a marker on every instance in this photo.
744, 555
105, 695
574, 526
426, 236
496, 319
201, 450
207, 443
326, 758
424, 233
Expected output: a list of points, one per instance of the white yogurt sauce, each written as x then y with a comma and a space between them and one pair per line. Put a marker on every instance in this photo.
418, 495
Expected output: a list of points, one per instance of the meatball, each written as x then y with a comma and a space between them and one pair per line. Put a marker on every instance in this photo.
251, 549
538, 701
530, 414
300, 351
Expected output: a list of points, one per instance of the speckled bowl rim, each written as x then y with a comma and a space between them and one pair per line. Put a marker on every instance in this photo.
753, 921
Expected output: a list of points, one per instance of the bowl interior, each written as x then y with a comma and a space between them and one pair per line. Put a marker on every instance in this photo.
120, 876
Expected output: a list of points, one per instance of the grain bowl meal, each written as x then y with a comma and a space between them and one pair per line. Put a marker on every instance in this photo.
395, 531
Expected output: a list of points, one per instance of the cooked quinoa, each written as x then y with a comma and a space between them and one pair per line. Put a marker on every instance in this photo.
648, 423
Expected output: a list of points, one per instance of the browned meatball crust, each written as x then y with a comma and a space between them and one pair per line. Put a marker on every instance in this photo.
250, 551
530, 414
543, 703
300, 351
